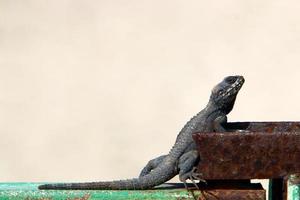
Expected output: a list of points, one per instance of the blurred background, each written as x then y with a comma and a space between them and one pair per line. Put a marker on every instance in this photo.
91, 90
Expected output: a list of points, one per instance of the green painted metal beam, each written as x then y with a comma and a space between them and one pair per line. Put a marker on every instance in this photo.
29, 191
294, 192
294, 187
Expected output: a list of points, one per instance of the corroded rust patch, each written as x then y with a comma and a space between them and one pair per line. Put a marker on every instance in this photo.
232, 190
234, 195
261, 150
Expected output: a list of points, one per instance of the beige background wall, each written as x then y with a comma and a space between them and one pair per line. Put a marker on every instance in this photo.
91, 90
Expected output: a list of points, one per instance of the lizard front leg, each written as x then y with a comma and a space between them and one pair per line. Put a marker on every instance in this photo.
151, 165
218, 124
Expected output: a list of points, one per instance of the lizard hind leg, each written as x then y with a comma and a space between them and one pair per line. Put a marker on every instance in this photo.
187, 169
152, 164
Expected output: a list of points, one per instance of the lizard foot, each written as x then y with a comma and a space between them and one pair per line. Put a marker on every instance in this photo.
194, 175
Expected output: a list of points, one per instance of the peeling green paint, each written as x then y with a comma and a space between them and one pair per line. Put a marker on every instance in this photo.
294, 192
29, 191
294, 187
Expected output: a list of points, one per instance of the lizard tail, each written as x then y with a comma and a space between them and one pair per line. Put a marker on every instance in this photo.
154, 178
108, 185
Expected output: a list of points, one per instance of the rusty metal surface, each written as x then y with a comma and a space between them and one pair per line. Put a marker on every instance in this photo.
223, 194
232, 190
266, 127
261, 150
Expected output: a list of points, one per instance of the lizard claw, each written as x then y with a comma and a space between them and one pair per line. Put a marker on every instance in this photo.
193, 176
196, 176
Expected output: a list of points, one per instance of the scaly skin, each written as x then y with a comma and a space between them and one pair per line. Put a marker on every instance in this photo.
183, 156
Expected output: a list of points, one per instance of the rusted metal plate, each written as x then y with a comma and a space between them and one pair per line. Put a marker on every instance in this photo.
266, 127
232, 190
234, 194
256, 150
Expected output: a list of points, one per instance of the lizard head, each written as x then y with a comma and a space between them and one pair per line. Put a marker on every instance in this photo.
224, 94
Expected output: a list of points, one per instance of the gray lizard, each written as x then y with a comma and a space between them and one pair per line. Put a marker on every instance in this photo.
183, 156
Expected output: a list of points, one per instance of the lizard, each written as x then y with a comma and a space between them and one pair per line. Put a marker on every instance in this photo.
183, 156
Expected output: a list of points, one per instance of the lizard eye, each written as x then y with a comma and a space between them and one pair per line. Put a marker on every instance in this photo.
230, 79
